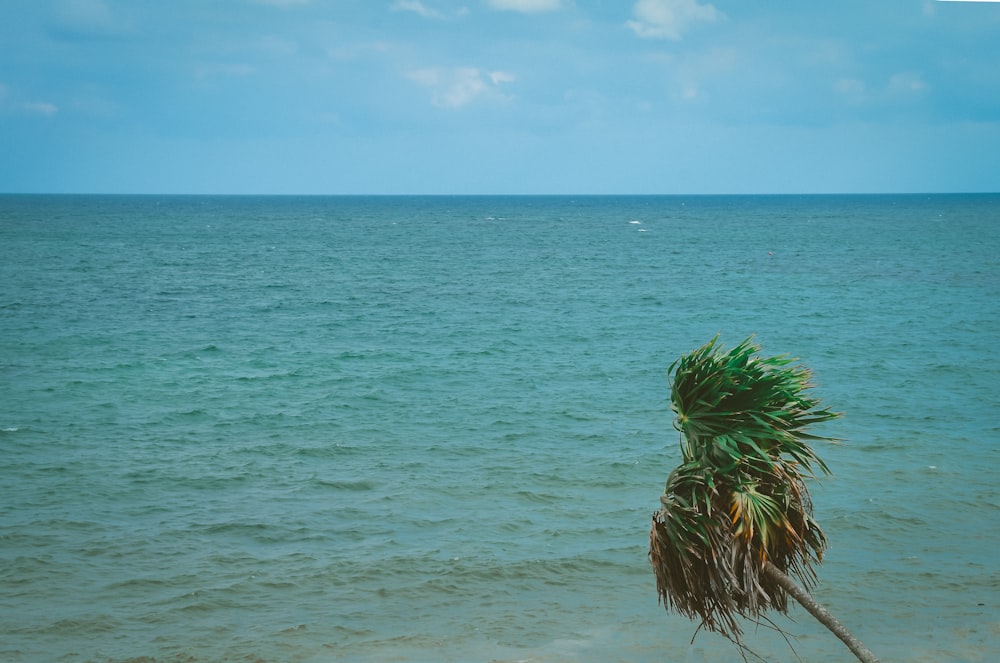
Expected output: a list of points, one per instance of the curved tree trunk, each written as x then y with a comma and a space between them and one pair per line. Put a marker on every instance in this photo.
819, 612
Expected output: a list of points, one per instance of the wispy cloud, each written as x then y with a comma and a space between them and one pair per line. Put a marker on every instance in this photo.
43, 108
691, 77
906, 83
458, 86
10, 104
668, 19
499, 77
901, 87
527, 6
416, 7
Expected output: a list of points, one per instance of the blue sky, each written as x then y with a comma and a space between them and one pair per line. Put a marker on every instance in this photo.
499, 96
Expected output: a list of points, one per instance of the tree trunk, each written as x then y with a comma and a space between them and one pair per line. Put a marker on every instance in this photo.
819, 612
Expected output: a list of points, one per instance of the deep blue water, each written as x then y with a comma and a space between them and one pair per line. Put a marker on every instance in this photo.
434, 428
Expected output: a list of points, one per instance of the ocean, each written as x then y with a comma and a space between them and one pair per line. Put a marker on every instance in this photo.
430, 429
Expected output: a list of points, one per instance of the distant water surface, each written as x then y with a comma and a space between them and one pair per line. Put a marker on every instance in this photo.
283, 429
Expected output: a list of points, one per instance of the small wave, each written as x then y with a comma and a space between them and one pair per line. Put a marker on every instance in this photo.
354, 632
359, 485
99, 623
144, 584
538, 498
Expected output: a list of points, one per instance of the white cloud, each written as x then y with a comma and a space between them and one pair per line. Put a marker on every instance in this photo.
43, 108
416, 7
499, 77
667, 19
526, 6
459, 86
9, 104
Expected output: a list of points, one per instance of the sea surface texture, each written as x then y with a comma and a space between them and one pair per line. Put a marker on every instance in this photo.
431, 429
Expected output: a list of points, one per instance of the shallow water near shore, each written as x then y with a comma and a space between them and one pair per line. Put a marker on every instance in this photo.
316, 429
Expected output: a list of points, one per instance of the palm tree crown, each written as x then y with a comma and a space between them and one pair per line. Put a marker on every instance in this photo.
738, 501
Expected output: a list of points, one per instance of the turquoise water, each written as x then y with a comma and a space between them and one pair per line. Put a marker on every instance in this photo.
435, 428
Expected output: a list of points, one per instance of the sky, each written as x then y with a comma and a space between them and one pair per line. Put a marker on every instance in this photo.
499, 96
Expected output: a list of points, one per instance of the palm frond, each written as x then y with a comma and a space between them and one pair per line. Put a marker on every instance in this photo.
762, 402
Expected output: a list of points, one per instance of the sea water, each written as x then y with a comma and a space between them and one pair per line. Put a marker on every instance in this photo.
308, 429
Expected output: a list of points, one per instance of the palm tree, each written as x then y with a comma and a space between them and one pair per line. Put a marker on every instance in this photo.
736, 521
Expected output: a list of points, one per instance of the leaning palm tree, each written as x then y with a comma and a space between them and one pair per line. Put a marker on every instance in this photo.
736, 521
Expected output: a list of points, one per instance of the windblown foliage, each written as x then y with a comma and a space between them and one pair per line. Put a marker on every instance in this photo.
739, 499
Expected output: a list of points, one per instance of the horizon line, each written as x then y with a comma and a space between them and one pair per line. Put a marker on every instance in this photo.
507, 195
